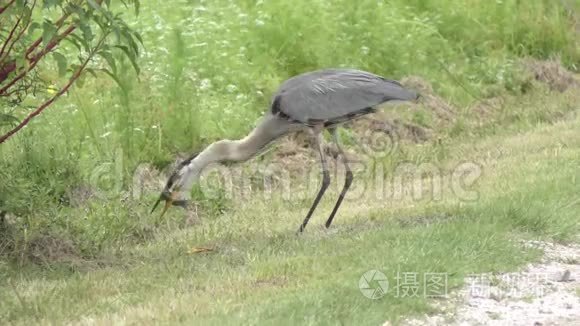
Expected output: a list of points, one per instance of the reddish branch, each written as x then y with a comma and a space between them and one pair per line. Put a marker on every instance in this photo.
6, 69
36, 43
58, 25
24, 28
9, 67
9, 38
17, 38
46, 104
34, 61
6, 6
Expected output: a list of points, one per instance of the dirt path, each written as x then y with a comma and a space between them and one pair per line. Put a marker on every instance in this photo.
544, 293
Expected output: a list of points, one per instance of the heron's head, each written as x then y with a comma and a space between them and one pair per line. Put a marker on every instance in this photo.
173, 187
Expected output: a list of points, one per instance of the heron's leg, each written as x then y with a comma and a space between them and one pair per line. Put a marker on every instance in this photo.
318, 142
347, 180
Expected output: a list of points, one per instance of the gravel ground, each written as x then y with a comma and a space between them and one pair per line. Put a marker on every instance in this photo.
543, 293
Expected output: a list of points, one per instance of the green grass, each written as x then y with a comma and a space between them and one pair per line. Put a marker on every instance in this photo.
208, 72
261, 272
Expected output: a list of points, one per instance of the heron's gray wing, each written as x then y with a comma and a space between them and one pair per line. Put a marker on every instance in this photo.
337, 94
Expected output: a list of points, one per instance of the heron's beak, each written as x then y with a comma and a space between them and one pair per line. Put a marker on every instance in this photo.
168, 197
418, 98
170, 200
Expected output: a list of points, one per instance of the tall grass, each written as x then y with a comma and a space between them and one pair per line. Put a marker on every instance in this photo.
209, 70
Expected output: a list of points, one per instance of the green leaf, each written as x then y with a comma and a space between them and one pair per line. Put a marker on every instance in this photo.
130, 56
81, 80
100, 22
87, 32
61, 62
79, 11
33, 26
93, 4
114, 77
130, 40
139, 38
117, 33
25, 14
8, 120
108, 56
21, 63
51, 3
74, 42
48, 32
91, 71
80, 40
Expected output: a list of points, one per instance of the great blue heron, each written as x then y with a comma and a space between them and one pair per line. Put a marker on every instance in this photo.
312, 101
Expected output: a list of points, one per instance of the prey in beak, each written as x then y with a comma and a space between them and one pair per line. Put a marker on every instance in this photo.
170, 200
170, 195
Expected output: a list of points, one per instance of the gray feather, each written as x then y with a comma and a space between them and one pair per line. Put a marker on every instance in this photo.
334, 95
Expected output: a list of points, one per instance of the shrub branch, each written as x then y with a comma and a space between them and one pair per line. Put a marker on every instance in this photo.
3, 54
63, 90
49, 47
9, 38
2, 9
6, 69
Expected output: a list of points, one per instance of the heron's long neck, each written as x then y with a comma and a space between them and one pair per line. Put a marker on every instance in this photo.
231, 151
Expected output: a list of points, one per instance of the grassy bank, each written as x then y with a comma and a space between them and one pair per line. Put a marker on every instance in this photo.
261, 271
